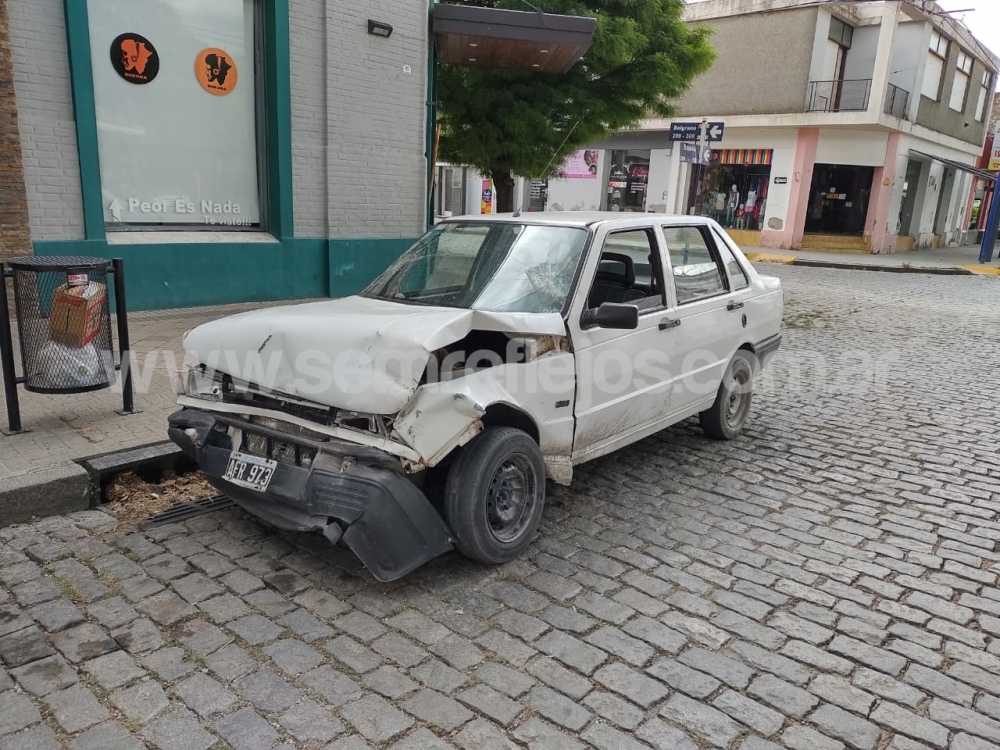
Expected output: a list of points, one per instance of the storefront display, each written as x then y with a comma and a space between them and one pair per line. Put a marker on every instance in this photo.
627, 181
838, 199
733, 188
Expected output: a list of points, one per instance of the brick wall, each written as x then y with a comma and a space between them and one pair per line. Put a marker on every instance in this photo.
359, 118
45, 113
15, 235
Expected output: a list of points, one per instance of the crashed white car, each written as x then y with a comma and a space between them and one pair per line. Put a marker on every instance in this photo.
427, 412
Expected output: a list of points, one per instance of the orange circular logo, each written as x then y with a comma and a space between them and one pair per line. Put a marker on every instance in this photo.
216, 71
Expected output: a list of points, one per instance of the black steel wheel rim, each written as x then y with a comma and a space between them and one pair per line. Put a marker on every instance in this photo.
738, 401
511, 498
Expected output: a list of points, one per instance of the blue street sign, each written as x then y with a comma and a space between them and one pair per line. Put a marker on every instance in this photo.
692, 153
691, 131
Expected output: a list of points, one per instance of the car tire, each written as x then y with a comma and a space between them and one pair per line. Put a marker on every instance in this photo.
728, 415
495, 495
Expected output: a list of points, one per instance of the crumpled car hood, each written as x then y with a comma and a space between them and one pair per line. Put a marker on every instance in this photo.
353, 353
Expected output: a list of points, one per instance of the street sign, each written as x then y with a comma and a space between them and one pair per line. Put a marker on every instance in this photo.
692, 153
691, 131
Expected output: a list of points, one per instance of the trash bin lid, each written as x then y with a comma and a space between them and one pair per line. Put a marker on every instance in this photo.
43, 263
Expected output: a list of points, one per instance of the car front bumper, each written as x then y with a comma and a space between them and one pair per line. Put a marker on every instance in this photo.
347, 492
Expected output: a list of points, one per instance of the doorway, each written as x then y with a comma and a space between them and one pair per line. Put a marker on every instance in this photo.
838, 199
910, 189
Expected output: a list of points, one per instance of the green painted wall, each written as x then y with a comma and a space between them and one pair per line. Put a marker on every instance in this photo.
172, 275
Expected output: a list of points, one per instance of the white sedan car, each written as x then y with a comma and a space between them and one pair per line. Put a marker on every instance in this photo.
426, 413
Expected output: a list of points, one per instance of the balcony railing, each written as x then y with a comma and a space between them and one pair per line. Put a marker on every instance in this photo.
897, 102
839, 96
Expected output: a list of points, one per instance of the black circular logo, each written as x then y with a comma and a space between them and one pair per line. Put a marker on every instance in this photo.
135, 58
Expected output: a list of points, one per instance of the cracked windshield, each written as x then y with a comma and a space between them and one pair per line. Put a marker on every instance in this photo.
496, 267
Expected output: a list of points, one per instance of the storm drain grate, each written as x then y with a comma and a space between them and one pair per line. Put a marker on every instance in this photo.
187, 511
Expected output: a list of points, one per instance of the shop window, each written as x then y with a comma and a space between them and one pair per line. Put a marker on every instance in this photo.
695, 269
627, 181
176, 87
934, 70
960, 86
733, 189
985, 88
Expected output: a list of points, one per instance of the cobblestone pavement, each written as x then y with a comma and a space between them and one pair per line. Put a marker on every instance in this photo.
828, 580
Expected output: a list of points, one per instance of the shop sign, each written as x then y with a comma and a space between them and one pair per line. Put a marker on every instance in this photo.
581, 165
135, 58
780, 180
486, 205
994, 165
216, 71
210, 212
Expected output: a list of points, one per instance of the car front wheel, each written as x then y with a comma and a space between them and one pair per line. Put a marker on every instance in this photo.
728, 415
495, 495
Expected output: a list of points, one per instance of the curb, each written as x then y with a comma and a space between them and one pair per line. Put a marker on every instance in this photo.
75, 485
65, 488
792, 260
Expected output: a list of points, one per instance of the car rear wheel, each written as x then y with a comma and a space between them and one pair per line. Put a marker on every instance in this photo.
728, 415
495, 495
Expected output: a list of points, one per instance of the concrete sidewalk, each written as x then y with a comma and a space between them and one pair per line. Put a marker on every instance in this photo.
40, 465
952, 260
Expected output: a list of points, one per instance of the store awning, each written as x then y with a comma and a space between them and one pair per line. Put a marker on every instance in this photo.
510, 39
980, 173
754, 156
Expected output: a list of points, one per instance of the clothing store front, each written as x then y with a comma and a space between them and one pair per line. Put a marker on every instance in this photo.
838, 199
733, 188
627, 180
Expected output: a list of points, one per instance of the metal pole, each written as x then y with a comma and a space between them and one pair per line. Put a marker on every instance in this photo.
7, 360
124, 346
990, 237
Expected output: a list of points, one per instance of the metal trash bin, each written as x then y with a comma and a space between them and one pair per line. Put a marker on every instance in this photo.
64, 323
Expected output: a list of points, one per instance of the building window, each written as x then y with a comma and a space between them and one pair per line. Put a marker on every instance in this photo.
934, 71
841, 33
177, 92
985, 87
960, 87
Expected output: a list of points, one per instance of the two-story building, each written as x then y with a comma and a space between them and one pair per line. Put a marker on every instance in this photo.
853, 126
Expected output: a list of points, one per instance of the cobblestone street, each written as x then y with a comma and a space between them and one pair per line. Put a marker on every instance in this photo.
829, 580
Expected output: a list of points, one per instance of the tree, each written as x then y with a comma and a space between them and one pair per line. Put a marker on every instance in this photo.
507, 123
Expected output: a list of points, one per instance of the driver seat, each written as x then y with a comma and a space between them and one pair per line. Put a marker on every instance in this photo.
614, 281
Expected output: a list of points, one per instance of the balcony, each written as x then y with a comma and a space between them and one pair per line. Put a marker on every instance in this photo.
839, 96
897, 102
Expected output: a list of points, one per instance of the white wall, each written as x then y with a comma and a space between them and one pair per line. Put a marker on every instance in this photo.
853, 147
909, 53
662, 181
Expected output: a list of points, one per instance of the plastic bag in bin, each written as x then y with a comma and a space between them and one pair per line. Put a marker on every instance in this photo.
59, 366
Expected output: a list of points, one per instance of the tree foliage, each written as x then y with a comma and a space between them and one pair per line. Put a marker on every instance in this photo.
508, 123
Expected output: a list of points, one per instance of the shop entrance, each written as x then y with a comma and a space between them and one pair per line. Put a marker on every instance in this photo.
838, 199
733, 188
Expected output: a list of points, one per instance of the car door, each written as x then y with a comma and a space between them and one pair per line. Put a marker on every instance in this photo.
624, 377
709, 314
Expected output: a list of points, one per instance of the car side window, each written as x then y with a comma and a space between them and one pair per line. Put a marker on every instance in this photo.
696, 268
737, 276
629, 271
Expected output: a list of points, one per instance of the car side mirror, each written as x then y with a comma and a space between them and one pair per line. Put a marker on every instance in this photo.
612, 315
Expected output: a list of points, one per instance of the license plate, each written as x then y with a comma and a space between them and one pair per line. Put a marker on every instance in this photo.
252, 472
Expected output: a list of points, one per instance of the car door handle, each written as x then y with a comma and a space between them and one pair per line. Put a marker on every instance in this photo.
667, 323
734, 306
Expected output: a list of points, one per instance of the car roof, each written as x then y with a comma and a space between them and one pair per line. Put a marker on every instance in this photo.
582, 219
